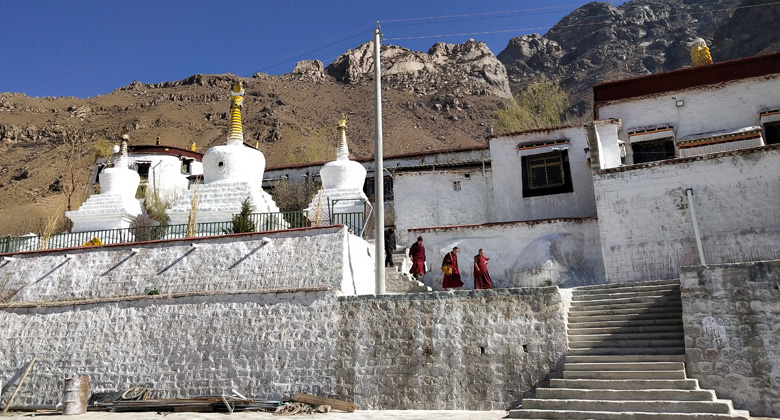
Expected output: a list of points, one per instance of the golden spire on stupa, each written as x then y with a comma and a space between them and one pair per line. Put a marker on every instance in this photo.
342, 153
236, 133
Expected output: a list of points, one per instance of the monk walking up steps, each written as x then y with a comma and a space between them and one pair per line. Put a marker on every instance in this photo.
481, 276
417, 254
451, 272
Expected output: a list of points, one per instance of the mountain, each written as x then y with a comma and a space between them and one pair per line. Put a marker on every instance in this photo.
443, 98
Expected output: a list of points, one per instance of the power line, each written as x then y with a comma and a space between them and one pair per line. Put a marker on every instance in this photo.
478, 14
428, 20
574, 24
310, 49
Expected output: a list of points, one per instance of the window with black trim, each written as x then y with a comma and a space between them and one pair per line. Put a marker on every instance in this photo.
546, 174
143, 170
772, 133
653, 150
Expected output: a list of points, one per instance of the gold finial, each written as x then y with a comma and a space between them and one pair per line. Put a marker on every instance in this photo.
700, 54
193, 146
342, 121
236, 133
342, 152
158, 140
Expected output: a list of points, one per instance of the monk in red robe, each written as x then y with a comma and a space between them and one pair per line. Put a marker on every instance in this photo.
417, 254
481, 275
451, 260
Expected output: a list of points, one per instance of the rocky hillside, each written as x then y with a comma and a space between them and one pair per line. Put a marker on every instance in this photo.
599, 42
443, 98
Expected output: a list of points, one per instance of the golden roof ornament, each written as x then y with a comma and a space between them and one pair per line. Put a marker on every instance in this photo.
700, 54
236, 133
342, 153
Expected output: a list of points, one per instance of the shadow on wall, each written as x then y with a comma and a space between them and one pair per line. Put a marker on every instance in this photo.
552, 260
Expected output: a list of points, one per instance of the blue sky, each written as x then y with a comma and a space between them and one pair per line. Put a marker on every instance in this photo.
86, 48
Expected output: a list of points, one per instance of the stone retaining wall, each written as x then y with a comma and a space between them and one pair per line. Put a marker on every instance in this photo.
473, 350
731, 314
267, 319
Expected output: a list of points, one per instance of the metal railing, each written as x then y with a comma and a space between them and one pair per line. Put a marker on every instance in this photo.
260, 221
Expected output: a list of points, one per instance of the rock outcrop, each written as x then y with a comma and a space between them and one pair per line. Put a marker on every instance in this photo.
601, 42
752, 30
311, 70
459, 69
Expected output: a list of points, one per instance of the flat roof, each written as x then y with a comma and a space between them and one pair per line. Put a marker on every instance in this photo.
153, 149
686, 78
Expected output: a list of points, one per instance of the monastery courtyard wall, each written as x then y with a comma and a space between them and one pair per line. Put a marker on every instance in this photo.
268, 319
731, 314
645, 221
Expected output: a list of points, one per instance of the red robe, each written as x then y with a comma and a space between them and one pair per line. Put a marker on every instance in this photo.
481, 275
452, 280
417, 254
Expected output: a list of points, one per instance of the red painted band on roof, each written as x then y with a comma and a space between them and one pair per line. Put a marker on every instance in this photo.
164, 150
386, 157
686, 78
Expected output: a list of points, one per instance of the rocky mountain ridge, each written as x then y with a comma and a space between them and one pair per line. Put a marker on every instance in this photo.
445, 98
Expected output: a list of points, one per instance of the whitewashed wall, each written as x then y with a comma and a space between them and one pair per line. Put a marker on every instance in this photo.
290, 259
428, 198
732, 105
645, 222
508, 178
165, 177
503, 244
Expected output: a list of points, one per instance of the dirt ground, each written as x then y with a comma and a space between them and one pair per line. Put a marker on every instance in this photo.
334, 415
365, 414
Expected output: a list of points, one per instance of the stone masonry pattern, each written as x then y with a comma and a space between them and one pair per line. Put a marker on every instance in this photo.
473, 350
732, 333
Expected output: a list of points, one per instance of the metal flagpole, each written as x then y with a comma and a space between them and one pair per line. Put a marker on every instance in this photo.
379, 185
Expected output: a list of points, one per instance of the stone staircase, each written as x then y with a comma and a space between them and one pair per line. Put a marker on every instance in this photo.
398, 279
626, 360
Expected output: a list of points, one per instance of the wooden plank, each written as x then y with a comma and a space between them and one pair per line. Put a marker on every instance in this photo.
21, 381
314, 400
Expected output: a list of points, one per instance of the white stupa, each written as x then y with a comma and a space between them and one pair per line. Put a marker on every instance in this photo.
116, 205
231, 173
342, 185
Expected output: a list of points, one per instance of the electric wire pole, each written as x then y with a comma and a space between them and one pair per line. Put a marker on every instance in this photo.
379, 172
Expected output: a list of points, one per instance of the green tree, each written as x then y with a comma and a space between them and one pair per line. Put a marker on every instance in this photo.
541, 104
241, 221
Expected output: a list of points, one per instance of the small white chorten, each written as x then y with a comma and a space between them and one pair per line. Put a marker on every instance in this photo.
342, 185
116, 205
231, 174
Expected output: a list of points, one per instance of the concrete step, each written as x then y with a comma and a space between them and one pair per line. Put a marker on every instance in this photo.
608, 351
625, 296
583, 306
604, 415
638, 343
626, 358
624, 317
638, 285
625, 374
627, 336
625, 323
650, 406
635, 366
629, 384
626, 394
621, 330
